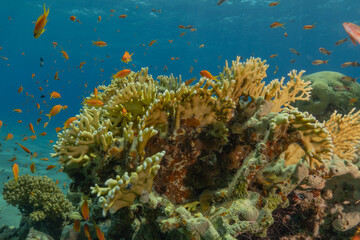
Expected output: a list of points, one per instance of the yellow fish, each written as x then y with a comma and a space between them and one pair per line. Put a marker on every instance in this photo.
40, 23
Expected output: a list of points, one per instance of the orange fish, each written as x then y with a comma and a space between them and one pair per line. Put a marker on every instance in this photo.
285, 35
348, 64
12, 159
126, 57
205, 73
65, 107
9, 136
58, 129
24, 139
43, 134
99, 43
99, 233
54, 110
76, 226
277, 24
193, 30
50, 167
68, 122
17, 110
15, 169
170, 41
20, 89
24, 148
354, 32
341, 41
152, 42
41, 89
308, 27
122, 73
55, 95
65, 55
32, 168
87, 231
99, 19
33, 75
124, 111
348, 79
272, 56
54, 44
44, 159
1, 123
45, 124
81, 65
274, 4
324, 51
31, 127
56, 76
85, 208
95, 92
182, 34
93, 102
32, 137
352, 101
40, 23
38, 121
318, 62
123, 16
188, 82
38, 105
202, 45
73, 18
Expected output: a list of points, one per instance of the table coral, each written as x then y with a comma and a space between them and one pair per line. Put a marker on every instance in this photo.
40, 201
221, 158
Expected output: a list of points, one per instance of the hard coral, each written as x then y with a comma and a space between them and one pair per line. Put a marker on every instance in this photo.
40, 201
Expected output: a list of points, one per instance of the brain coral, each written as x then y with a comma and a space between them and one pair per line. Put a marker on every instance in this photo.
40, 202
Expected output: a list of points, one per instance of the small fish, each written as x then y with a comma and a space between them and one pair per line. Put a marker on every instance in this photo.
87, 231
96, 93
324, 51
99, 43
58, 129
31, 127
352, 101
1, 124
341, 42
285, 35
99, 233
38, 121
319, 62
54, 44
202, 45
45, 124
126, 57
205, 73
220, 2
24, 148
32, 168
274, 3
341, 88
93, 102
68, 122
15, 169
4, 58
348, 64
43, 134
85, 208
182, 34
33, 75
73, 18
20, 89
64, 54
122, 73
56, 76
50, 167
81, 65
292, 60
124, 111
294, 51
188, 82
9, 136
152, 42
308, 27
54, 110
77, 226
276, 69
99, 19
354, 32
123, 16
44, 159
40, 23
272, 56
17, 110
41, 62
348, 79
12, 159
277, 24
55, 95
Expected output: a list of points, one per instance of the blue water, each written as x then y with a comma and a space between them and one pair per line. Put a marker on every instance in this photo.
235, 28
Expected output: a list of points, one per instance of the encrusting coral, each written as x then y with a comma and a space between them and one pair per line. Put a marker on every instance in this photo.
214, 160
40, 201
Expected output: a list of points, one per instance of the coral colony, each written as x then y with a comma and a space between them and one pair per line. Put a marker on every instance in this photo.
221, 159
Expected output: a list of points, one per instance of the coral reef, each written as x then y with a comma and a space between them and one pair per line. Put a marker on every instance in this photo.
220, 159
330, 93
41, 203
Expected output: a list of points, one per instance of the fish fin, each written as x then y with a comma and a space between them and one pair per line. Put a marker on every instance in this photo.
131, 54
353, 40
48, 116
283, 26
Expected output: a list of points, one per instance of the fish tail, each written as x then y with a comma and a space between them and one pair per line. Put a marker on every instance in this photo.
326, 61
48, 116
283, 26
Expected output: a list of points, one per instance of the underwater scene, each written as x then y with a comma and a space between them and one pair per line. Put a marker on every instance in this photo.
176, 120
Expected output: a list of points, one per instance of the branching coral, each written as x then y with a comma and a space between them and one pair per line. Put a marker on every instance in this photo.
217, 158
